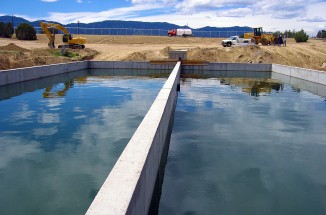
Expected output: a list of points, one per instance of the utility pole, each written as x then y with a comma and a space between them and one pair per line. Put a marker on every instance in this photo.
78, 28
12, 22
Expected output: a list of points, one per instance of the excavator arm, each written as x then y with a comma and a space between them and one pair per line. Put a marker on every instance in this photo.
49, 35
67, 38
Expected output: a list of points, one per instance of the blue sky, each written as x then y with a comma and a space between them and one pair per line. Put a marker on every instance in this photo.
274, 15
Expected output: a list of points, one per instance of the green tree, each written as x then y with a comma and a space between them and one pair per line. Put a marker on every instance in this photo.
2, 29
6, 30
9, 30
25, 32
289, 33
301, 36
276, 33
321, 34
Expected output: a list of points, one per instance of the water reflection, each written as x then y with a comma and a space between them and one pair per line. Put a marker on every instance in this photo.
50, 93
55, 152
231, 153
254, 87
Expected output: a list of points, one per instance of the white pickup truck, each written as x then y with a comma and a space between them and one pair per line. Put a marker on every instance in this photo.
234, 40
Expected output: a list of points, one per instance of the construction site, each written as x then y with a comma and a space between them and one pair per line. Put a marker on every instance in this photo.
175, 124
19, 53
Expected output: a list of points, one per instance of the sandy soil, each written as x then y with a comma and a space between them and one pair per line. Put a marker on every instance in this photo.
144, 48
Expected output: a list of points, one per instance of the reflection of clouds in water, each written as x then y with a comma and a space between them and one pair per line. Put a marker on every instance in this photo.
78, 109
199, 93
101, 139
48, 118
11, 148
52, 103
80, 117
121, 82
240, 111
251, 148
23, 114
45, 131
81, 162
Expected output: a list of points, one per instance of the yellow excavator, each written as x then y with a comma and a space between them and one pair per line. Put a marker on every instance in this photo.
67, 39
258, 36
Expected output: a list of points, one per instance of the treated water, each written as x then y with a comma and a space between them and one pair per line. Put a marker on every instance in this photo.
246, 146
58, 143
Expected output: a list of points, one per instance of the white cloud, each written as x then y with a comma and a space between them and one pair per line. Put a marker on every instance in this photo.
79, 1
49, 0
238, 12
282, 10
314, 19
123, 13
191, 6
272, 15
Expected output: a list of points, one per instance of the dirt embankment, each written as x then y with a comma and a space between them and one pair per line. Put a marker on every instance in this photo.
144, 48
13, 56
310, 55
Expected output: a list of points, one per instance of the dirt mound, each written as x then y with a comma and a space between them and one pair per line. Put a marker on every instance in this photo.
241, 54
165, 51
4, 62
13, 56
145, 56
136, 56
13, 47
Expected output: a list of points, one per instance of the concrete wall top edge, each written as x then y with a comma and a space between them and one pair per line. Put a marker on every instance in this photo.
294, 67
48, 65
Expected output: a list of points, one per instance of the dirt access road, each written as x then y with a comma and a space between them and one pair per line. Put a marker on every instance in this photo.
144, 48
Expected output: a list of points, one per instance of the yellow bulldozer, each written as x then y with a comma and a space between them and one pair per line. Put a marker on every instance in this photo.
258, 36
68, 40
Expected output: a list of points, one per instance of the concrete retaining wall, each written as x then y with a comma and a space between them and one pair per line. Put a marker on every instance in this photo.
315, 88
212, 69
15, 89
129, 65
129, 186
228, 67
301, 73
25, 74
30, 73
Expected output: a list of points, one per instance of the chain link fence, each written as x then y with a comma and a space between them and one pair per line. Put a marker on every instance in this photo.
143, 32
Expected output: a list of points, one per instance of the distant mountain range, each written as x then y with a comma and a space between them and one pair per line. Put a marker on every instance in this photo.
117, 24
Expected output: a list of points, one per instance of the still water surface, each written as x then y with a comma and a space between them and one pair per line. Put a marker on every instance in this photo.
246, 146
58, 144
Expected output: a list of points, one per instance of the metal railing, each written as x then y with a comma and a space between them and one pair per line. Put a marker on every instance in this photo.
143, 32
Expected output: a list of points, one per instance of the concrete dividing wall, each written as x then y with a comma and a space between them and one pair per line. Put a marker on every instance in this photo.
25, 74
301, 73
129, 186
